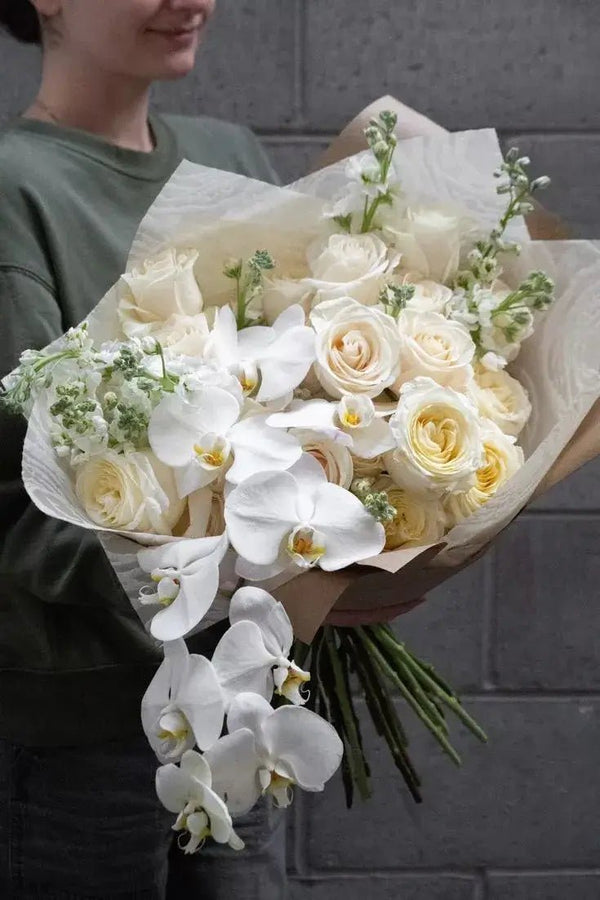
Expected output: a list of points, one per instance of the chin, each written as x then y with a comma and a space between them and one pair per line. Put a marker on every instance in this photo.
174, 69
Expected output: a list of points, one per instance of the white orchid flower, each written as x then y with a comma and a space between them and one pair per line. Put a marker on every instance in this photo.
352, 421
270, 750
186, 574
278, 519
183, 704
269, 361
201, 813
253, 654
200, 433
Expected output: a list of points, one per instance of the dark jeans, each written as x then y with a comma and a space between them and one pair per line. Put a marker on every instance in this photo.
84, 823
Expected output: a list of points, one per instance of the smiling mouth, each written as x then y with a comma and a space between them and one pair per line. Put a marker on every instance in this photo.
180, 32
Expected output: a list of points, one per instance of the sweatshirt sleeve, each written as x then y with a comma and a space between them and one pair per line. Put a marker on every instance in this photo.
260, 163
53, 560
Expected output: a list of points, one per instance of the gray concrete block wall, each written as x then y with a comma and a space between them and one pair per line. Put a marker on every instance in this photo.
518, 633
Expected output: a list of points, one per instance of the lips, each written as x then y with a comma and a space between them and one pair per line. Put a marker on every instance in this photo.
181, 30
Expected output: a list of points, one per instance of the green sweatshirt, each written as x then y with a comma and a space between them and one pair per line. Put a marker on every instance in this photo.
74, 657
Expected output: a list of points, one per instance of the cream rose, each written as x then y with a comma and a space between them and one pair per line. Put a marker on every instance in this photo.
348, 265
334, 458
419, 520
162, 286
428, 239
501, 398
185, 335
368, 468
279, 292
205, 513
438, 436
436, 347
429, 296
358, 348
129, 492
502, 458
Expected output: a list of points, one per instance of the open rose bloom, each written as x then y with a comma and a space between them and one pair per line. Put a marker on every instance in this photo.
337, 392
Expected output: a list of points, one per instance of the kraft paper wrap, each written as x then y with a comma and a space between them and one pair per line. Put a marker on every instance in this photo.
365, 594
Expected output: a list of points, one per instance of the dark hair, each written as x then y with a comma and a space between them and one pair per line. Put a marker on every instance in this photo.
20, 19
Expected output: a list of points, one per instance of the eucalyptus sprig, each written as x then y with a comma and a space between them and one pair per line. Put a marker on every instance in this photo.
248, 277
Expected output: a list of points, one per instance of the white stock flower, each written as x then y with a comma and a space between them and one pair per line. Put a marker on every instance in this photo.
348, 265
186, 573
435, 347
495, 324
162, 286
269, 750
352, 423
187, 791
183, 704
269, 361
279, 519
428, 239
438, 439
501, 398
502, 458
357, 348
129, 492
420, 518
253, 654
197, 435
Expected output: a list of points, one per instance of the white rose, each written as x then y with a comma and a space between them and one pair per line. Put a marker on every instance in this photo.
435, 346
183, 335
502, 458
205, 514
429, 296
419, 519
129, 492
438, 436
162, 286
357, 347
348, 265
334, 458
428, 239
279, 292
501, 398
368, 468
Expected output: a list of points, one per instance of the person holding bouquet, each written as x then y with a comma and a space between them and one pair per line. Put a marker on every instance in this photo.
78, 169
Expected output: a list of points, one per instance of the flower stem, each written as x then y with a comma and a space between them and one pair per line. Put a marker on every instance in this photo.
412, 701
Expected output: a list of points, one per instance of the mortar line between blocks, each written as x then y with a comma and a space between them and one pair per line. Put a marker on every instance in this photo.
321, 875
481, 886
299, 62
488, 624
300, 838
538, 873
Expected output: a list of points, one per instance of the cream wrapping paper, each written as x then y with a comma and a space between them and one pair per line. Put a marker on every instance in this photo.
225, 215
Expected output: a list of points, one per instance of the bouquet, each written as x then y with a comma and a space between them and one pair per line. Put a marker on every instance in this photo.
299, 397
